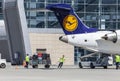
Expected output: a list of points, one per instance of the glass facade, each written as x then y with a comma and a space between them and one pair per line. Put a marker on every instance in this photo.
102, 14
1, 6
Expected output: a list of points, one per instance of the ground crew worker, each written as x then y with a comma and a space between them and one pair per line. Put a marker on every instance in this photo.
27, 59
61, 61
117, 60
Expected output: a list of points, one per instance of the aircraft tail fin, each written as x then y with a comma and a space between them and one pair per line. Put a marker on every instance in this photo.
69, 20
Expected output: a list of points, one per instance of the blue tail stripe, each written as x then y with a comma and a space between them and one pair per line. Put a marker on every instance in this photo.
63, 11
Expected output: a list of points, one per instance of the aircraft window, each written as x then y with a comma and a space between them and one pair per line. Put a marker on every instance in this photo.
85, 40
73, 37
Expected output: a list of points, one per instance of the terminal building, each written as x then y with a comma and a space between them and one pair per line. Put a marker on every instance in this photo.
45, 30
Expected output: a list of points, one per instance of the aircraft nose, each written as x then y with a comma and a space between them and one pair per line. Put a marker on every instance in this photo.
64, 39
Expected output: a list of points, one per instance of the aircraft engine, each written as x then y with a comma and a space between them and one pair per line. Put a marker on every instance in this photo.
110, 37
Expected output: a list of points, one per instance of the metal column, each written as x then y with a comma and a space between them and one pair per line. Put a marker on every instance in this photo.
16, 27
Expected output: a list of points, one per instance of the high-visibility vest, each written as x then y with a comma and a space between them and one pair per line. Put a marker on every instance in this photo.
117, 58
27, 59
61, 60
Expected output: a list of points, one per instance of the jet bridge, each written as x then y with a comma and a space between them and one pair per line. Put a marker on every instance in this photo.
16, 27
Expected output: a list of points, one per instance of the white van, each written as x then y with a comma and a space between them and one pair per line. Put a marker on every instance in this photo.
93, 62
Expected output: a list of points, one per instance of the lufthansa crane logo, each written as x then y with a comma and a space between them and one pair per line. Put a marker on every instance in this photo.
70, 23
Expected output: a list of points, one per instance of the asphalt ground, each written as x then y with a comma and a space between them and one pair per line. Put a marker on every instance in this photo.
67, 73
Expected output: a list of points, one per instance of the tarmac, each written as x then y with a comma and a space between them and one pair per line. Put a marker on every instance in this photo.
67, 73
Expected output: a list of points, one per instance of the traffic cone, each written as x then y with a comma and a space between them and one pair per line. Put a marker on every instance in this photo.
24, 63
16, 67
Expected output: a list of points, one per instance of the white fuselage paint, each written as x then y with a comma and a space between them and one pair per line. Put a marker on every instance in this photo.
94, 42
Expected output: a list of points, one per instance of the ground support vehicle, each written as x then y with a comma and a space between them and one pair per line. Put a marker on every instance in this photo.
34, 61
99, 62
3, 63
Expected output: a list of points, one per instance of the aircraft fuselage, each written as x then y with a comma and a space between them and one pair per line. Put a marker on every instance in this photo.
95, 42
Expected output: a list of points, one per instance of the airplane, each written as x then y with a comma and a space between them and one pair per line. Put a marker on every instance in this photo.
78, 34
